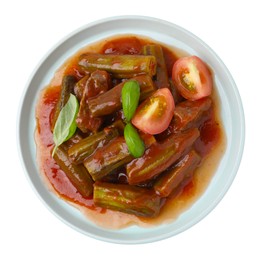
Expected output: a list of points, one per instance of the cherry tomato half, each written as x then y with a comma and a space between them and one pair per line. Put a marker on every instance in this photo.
154, 115
192, 78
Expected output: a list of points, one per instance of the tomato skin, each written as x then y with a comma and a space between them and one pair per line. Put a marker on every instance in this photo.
192, 78
154, 115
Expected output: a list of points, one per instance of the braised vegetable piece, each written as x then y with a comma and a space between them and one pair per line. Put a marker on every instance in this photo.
119, 125
80, 86
121, 66
73, 140
160, 156
161, 78
129, 199
77, 174
147, 138
107, 158
175, 93
68, 83
98, 83
112, 156
110, 101
86, 146
171, 179
188, 112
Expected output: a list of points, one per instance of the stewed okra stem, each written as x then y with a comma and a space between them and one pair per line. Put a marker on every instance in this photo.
80, 86
110, 101
161, 77
107, 158
159, 156
129, 199
171, 179
77, 174
111, 156
188, 113
120, 66
79, 151
67, 86
98, 82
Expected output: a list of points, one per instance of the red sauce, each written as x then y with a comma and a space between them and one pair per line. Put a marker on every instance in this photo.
55, 175
210, 128
126, 45
209, 136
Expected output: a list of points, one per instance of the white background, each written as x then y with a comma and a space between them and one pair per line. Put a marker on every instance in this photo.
28, 30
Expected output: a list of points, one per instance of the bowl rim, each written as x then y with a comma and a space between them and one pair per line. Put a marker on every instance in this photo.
23, 156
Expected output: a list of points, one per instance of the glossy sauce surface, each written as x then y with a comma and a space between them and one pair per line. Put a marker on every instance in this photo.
210, 145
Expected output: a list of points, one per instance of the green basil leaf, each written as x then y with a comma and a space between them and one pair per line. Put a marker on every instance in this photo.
134, 142
65, 125
130, 98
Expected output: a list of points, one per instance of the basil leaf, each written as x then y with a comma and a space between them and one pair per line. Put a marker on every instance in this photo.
134, 142
65, 125
130, 98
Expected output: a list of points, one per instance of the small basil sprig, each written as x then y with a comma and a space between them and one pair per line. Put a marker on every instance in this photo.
65, 125
134, 142
130, 98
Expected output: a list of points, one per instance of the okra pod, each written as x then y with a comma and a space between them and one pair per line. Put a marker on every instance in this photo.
120, 66
98, 83
159, 156
77, 174
119, 125
128, 199
172, 178
148, 139
107, 158
175, 93
73, 140
110, 101
68, 83
188, 113
111, 156
161, 77
79, 151
80, 86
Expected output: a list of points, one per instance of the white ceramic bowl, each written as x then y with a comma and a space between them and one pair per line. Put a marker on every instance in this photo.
171, 34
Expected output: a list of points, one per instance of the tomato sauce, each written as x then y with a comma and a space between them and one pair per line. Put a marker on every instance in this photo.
210, 145
55, 175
